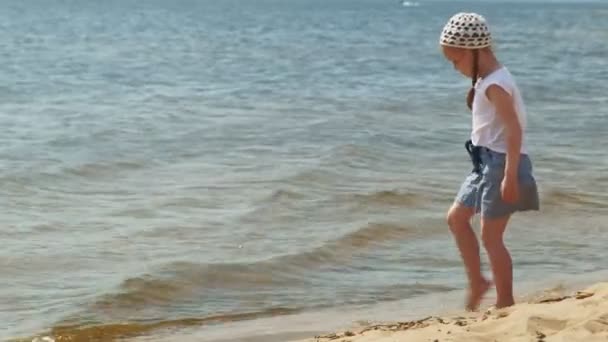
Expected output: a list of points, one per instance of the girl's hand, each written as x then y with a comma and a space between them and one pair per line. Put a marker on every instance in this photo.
509, 189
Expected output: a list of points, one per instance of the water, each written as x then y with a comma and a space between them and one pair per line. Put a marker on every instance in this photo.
196, 164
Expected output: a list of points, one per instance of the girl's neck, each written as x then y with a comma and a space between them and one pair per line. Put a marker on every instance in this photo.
488, 64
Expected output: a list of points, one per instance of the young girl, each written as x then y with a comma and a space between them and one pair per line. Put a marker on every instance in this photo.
501, 182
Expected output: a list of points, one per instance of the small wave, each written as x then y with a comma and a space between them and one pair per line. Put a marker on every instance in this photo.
112, 332
285, 195
400, 291
432, 262
342, 250
379, 198
182, 280
280, 202
387, 197
313, 177
117, 331
374, 233
564, 198
104, 169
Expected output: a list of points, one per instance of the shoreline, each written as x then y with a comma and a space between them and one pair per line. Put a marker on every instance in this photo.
386, 320
581, 315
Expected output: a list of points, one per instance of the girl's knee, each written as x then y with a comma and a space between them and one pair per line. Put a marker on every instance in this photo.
458, 216
451, 217
491, 241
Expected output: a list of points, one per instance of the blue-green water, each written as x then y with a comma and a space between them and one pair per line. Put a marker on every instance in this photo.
231, 160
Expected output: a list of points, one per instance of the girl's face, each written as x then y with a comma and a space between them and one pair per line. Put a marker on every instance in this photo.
462, 59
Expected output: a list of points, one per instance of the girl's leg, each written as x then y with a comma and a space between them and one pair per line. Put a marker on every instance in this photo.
459, 221
492, 231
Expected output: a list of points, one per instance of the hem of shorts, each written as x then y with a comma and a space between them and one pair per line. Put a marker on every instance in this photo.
462, 204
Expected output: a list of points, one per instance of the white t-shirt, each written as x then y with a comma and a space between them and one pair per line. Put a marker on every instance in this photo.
488, 129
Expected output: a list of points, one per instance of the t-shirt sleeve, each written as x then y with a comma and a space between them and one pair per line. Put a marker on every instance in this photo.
503, 82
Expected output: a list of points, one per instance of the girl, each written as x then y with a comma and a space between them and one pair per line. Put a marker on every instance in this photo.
501, 182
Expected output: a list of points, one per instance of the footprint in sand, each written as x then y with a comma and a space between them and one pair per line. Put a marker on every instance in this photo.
598, 325
546, 325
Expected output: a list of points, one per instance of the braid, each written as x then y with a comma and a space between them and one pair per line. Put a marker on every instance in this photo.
471, 94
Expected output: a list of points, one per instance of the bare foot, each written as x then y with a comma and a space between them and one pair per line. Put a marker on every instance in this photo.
505, 304
476, 293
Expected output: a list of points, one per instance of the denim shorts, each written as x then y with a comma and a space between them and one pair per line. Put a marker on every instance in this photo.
481, 190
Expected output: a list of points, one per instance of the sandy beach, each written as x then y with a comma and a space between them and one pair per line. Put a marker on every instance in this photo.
271, 170
579, 316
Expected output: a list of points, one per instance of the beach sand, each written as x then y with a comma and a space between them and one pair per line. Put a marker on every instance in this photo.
579, 316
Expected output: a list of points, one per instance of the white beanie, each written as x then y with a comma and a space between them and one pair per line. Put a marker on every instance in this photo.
467, 31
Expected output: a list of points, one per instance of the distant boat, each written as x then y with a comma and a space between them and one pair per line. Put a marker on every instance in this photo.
410, 4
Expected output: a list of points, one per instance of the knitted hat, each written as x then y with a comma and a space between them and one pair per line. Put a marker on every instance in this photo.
467, 31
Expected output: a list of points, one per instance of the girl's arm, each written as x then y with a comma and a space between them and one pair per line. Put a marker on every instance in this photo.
505, 109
